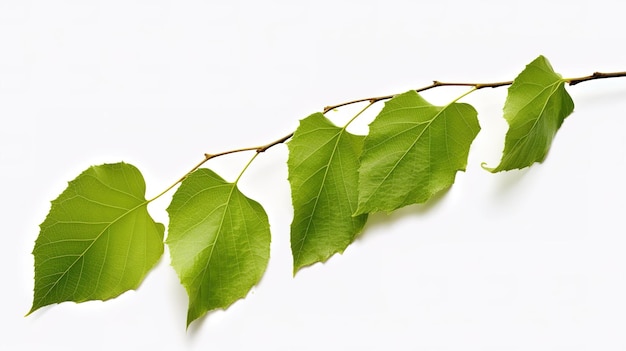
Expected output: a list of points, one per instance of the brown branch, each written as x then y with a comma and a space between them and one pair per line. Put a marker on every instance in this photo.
373, 100
435, 84
595, 75
258, 149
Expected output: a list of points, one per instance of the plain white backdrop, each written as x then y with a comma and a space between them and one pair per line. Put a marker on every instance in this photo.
524, 260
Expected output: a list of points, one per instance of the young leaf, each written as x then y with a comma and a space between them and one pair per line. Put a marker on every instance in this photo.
536, 106
413, 151
219, 241
323, 173
98, 239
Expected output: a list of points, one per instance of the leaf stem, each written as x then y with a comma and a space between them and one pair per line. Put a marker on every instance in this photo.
358, 114
246, 167
474, 88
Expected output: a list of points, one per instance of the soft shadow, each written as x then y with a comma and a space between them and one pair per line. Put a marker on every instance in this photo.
196, 326
384, 220
509, 180
39, 313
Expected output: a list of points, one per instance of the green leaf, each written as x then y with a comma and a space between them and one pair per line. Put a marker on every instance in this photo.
413, 151
98, 239
536, 106
219, 242
323, 173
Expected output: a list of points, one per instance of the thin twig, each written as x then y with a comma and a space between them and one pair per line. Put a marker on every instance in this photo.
435, 84
373, 100
595, 75
207, 157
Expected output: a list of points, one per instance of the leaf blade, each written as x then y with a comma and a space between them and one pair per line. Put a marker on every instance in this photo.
219, 242
98, 239
536, 106
413, 151
323, 175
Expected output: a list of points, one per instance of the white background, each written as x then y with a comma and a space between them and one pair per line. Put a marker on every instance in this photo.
524, 260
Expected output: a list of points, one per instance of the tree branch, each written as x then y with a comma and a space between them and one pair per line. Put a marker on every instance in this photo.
435, 84
373, 100
595, 75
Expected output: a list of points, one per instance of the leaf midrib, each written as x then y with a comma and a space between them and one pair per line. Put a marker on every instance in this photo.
317, 198
428, 124
218, 232
553, 86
